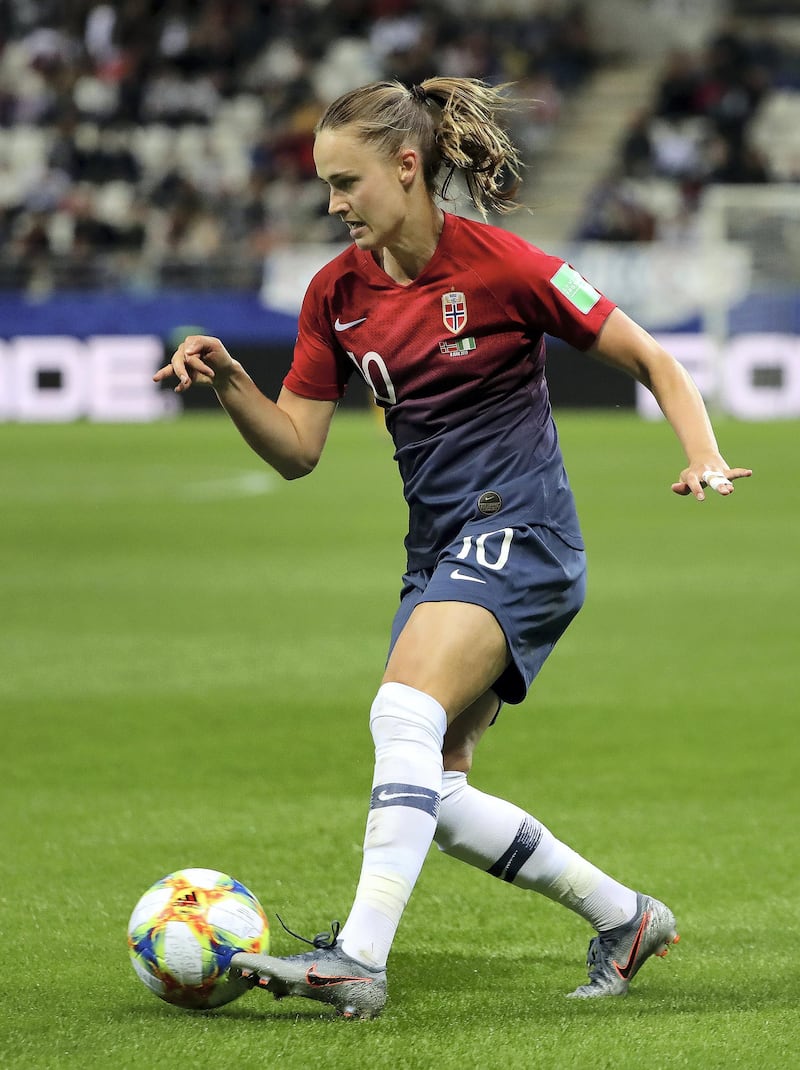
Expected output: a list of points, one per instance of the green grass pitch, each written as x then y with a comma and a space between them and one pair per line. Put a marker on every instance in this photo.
188, 651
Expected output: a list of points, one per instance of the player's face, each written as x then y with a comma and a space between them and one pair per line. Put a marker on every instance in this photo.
368, 190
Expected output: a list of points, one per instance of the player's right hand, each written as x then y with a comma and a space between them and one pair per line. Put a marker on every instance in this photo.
199, 359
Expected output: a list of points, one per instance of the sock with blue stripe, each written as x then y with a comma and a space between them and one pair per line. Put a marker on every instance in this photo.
408, 729
500, 838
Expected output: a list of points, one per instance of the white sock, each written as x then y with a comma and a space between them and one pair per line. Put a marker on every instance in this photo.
408, 728
498, 837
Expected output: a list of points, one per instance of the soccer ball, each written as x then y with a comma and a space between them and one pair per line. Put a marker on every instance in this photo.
184, 930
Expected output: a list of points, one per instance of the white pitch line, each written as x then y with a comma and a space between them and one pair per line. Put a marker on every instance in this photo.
156, 484
245, 485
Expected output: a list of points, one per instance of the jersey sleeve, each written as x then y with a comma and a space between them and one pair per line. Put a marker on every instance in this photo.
318, 371
566, 304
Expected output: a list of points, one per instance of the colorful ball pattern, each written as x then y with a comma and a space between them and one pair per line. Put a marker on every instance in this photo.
184, 931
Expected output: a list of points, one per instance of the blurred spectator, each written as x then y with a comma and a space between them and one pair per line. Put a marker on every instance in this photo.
676, 91
637, 152
615, 213
734, 162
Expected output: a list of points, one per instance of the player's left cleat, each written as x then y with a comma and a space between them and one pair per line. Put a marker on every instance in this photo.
326, 974
615, 956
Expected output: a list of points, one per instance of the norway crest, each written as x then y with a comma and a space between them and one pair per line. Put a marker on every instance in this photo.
454, 311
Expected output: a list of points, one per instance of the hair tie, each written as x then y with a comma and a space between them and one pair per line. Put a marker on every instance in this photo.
419, 94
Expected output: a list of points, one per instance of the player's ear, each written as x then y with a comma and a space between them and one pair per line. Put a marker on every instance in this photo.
408, 164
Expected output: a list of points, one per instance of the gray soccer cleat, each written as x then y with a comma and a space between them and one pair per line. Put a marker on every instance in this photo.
325, 974
616, 955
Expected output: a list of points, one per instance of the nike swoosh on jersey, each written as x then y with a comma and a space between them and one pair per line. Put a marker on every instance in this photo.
319, 980
339, 326
625, 971
457, 574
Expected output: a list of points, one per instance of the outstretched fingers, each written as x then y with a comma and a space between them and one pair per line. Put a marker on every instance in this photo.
718, 479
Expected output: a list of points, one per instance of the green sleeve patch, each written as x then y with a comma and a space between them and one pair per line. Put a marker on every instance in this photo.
575, 288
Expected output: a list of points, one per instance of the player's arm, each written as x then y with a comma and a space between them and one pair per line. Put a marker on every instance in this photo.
289, 435
623, 344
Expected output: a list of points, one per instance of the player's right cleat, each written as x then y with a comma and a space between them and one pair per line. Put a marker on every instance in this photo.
325, 974
616, 955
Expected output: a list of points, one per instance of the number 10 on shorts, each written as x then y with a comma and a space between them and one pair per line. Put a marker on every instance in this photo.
482, 551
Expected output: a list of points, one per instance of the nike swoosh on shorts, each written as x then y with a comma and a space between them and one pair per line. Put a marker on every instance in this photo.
457, 574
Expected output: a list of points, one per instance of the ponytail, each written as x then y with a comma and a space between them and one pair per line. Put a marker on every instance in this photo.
473, 142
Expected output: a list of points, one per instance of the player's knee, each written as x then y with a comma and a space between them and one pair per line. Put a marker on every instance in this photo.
401, 714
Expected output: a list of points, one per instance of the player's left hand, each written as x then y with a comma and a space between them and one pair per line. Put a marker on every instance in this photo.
712, 473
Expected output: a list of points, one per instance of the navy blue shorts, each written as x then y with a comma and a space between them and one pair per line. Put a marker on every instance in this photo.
527, 576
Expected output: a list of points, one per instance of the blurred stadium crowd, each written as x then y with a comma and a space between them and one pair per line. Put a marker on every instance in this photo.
727, 112
169, 142
153, 143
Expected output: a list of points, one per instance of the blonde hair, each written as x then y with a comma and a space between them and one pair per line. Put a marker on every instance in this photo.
453, 121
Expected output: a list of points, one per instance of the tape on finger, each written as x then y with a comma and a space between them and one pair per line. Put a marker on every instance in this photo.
715, 480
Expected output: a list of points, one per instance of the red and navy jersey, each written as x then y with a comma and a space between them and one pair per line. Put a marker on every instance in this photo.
457, 360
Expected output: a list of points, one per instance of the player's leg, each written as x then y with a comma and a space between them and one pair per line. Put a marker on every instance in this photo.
498, 837
446, 655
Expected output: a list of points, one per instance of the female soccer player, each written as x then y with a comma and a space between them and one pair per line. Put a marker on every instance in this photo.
444, 317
